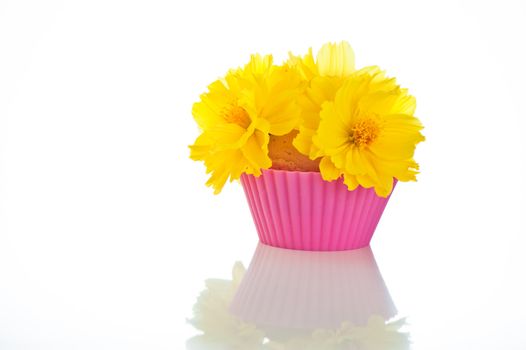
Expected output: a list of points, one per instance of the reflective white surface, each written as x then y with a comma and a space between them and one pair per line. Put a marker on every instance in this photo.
300, 300
107, 232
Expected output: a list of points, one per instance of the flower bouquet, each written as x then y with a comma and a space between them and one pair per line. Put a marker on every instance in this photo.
317, 144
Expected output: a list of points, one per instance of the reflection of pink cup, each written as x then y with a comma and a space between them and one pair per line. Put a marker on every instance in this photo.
302, 291
299, 210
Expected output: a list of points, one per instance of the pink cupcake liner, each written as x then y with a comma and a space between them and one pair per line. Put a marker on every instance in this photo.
301, 290
299, 210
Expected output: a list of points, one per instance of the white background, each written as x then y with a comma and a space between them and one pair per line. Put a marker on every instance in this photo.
107, 230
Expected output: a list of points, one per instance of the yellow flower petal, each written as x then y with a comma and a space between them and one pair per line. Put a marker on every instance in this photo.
332, 133
366, 181
358, 162
350, 181
384, 186
258, 65
220, 166
303, 141
335, 59
328, 171
255, 152
201, 148
388, 102
305, 65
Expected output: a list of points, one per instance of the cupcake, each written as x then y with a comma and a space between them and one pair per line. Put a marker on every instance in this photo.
317, 144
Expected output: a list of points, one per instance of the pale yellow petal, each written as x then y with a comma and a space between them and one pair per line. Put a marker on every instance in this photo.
259, 65
335, 59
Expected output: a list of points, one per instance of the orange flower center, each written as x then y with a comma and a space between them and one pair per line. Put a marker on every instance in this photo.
237, 115
364, 132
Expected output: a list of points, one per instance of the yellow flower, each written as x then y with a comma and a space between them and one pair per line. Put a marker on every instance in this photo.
368, 133
237, 115
334, 62
358, 125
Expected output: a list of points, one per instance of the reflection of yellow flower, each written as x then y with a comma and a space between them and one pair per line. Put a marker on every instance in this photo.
222, 330
237, 115
368, 133
334, 62
379, 334
211, 316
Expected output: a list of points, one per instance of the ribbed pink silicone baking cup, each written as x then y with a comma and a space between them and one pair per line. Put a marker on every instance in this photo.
299, 210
